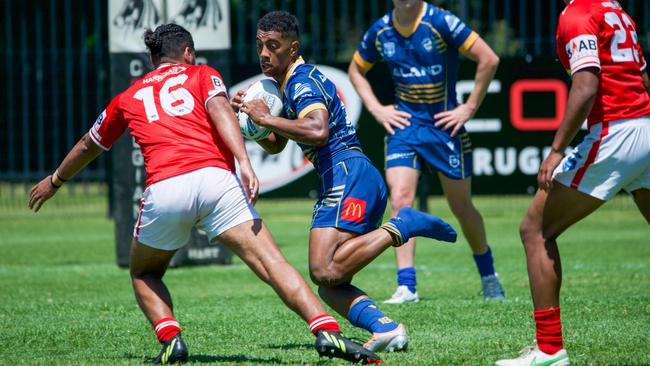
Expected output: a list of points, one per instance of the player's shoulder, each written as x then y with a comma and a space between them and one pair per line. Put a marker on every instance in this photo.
579, 11
386, 21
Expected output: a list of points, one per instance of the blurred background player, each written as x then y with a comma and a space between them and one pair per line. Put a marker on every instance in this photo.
597, 44
344, 236
420, 42
180, 116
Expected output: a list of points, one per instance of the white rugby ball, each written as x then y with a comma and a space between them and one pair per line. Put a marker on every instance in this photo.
269, 91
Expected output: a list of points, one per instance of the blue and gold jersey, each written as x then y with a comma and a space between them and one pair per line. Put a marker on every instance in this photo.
306, 89
423, 59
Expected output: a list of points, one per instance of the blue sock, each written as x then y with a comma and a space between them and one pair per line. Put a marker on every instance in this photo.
365, 314
485, 263
406, 277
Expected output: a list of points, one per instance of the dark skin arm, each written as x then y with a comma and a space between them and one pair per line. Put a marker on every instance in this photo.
312, 129
584, 88
81, 155
646, 81
223, 119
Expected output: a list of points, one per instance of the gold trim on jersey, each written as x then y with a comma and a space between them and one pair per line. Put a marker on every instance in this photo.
363, 64
408, 31
293, 66
421, 100
469, 42
311, 108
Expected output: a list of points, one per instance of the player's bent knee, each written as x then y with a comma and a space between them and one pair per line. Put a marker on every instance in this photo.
326, 278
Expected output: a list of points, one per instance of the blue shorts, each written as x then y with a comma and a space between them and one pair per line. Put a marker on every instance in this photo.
352, 196
419, 146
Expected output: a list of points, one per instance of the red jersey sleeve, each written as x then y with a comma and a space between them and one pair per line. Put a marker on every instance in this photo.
211, 84
577, 40
109, 126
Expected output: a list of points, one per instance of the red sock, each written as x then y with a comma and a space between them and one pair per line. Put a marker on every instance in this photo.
324, 322
166, 328
549, 330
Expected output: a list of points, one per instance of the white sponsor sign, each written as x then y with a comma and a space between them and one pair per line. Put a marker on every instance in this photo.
207, 20
275, 171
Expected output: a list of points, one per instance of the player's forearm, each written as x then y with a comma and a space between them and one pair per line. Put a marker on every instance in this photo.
363, 87
485, 70
273, 144
580, 102
646, 81
83, 152
304, 130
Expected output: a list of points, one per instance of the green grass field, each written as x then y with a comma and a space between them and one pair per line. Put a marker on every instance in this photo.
63, 301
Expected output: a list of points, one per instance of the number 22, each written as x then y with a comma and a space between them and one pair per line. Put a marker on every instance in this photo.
620, 36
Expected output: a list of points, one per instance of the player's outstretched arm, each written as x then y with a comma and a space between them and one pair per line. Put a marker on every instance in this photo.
224, 120
386, 115
487, 63
81, 155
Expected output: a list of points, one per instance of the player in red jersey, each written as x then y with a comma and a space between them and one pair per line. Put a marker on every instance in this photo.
180, 116
597, 44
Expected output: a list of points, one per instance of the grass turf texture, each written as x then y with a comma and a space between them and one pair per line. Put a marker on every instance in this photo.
65, 302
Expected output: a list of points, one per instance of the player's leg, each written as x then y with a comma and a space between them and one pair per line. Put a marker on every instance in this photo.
642, 200
232, 220
328, 271
548, 216
402, 184
147, 267
459, 197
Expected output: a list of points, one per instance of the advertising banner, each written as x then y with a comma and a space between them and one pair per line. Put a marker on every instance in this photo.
208, 21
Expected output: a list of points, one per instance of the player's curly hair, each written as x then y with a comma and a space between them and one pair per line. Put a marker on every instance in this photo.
167, 41
280, 21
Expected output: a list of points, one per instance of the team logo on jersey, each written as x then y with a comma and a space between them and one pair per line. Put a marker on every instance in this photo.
353, 209
582, 48
389, 49
453, 161
427, 44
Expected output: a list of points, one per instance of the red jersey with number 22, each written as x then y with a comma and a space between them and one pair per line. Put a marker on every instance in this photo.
166, 113
598, 33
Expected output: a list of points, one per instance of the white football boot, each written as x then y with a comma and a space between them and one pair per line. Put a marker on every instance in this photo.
393, 341
532, 356
403, 295
491, 288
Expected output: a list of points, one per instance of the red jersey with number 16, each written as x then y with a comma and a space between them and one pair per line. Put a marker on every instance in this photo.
598, 33
166, 113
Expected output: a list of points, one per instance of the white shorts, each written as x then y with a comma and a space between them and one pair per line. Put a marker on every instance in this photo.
210, 199
613, 156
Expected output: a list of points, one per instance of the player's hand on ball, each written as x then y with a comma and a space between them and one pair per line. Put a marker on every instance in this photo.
256, 110
454, 119
546, 169
237, 100
249, 181
390, 118
40, 193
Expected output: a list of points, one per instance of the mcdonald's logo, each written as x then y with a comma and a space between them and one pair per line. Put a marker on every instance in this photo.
353, 210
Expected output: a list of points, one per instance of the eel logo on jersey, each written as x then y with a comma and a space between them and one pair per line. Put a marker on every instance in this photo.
453, 161
353, 209
582, 46
389, 49
427, 44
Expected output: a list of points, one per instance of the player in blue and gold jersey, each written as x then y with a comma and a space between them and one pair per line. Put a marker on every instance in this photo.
345, 234
421, 44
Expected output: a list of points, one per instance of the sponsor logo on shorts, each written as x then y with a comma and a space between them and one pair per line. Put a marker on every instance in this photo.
353, 209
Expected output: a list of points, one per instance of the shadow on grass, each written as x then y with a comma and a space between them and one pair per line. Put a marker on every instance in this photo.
233, 359
291, 346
